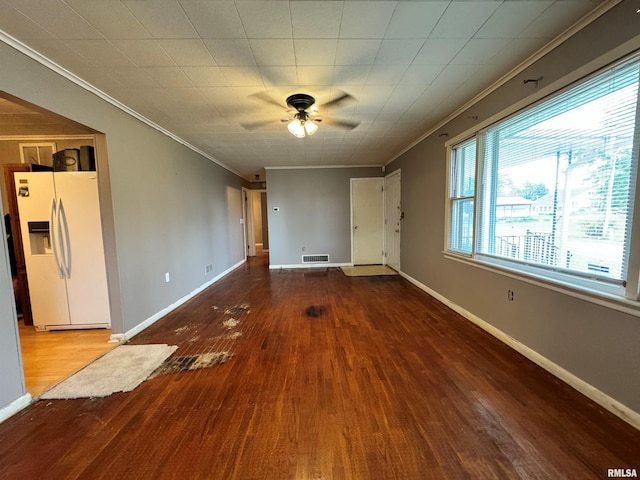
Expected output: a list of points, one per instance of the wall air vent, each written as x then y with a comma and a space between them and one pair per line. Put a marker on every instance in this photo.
318, 258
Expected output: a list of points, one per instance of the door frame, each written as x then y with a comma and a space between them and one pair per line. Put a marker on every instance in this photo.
257, 193
247, 223
352, 230
16, 235
387, 199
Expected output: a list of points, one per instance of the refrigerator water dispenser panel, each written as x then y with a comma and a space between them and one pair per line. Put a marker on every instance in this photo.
39, 238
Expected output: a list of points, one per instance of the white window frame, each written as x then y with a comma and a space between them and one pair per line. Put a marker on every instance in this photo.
452, 198
624, 298
37, 146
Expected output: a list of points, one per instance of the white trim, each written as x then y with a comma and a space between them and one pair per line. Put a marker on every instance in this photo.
611, 404
15, 406
19, 138
37, 145
559, 40
310, 265
311, 167
248, 231
117, 338
351, 215
592, 68
50, 64
151, 320
75, 326
385, 220
598, 297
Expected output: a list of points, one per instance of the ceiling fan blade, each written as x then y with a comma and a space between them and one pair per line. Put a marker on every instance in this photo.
254, 125
340, 123
264, 97
336, 101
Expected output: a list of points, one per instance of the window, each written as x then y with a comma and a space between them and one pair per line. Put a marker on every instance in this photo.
38, 153
461, 192
555, 183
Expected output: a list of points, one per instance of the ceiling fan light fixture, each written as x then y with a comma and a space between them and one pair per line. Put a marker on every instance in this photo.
296, 128
310, 127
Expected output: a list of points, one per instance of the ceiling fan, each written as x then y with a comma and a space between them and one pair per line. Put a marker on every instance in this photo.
303, 122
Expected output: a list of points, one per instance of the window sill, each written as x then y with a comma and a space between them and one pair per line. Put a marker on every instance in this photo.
609, 300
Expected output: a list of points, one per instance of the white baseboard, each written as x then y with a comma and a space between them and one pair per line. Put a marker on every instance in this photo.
23, 401
121, 337
15, 406
310, 265
611, 404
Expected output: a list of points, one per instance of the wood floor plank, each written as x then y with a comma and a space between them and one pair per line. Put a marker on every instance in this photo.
331, 377
50, 357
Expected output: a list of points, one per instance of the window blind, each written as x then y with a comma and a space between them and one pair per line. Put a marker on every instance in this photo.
556, 187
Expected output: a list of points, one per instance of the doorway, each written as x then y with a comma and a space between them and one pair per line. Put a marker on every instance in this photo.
254, 211
260, 229
393, 219
50, 356
366, 221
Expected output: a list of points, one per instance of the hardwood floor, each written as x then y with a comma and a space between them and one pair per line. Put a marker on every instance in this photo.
331, 377
50, 357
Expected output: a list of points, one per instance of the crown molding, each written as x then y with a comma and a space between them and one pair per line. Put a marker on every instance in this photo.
28, 138
559, 40
72, 77
317, 167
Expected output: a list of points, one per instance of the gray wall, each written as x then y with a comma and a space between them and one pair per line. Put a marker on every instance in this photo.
173, 210
315, 212
265, 220
597, 344
11, 379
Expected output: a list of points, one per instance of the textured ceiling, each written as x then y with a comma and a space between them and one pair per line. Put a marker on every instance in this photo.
198, 68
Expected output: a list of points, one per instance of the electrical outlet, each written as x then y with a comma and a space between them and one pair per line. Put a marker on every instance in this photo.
167, 278
208, 269
511, 295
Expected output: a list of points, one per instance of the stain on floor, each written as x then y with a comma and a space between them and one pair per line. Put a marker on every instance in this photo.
192, 362
237, 309
315, 311
230, 323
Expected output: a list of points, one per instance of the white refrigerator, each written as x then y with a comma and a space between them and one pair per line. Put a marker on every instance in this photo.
64, 254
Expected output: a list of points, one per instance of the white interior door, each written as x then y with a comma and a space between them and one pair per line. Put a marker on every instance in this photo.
393, 217
366, 221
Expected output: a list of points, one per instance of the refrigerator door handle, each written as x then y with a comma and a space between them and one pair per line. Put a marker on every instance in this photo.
64, 235
53, 217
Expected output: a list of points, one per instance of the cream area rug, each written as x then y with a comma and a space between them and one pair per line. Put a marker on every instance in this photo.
120, 370
368, 270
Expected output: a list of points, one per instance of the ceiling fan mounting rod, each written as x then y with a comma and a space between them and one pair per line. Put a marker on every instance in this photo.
302, 116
